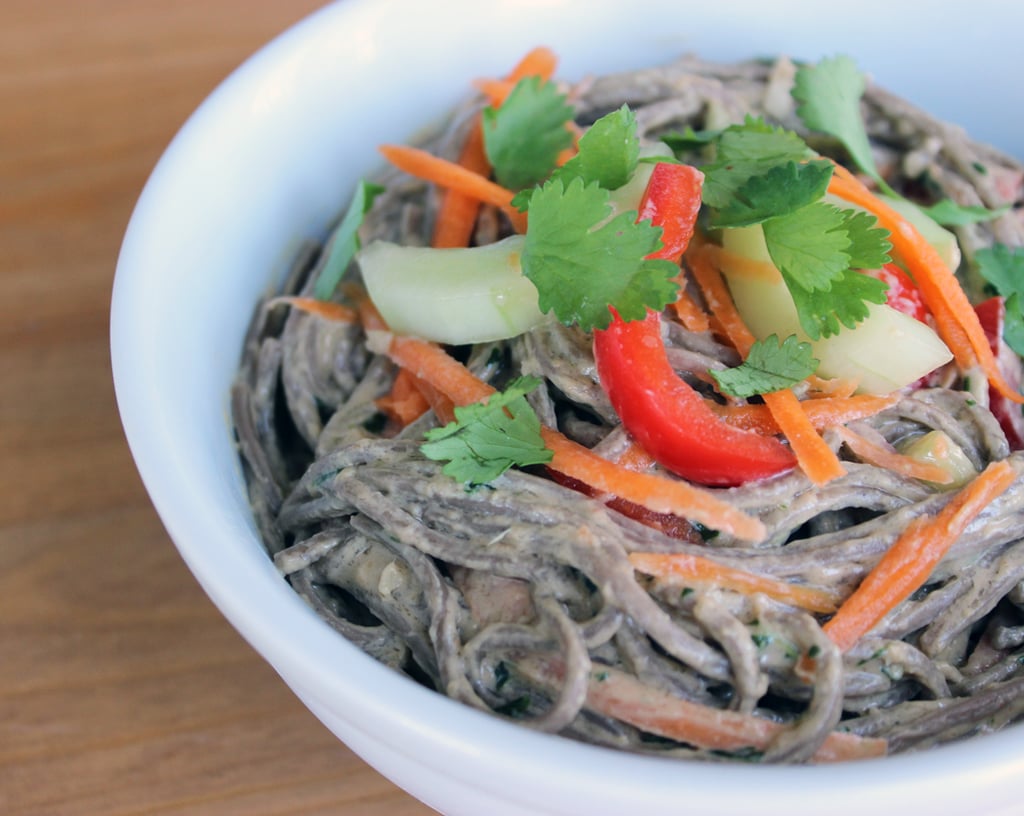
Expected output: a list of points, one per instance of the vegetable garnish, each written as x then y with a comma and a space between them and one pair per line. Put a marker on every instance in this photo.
457, 213
579, 268
1003, 267
681, 567
909, 562
524, 136
439, 370
608, 152
955, 317
450, 175
829, 94
767, 175
346, 240
816, 459
488, 438
823, 412
771, 365
614, 693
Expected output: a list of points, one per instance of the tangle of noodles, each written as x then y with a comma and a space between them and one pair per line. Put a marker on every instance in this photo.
513, 599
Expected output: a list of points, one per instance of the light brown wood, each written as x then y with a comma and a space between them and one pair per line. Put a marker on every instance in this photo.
122, 690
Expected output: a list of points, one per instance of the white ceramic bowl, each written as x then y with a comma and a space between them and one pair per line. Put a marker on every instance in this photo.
271, 157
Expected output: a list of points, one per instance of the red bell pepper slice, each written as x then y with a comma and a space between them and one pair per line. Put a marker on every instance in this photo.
992, 316
667, 417
902, 295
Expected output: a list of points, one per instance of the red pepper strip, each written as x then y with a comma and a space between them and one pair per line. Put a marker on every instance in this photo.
663, 414
902, 295
992, 316
669, 419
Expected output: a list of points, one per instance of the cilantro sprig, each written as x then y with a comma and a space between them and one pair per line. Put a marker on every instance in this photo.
581, 262
828, 95
1003, 267
771, 365
486, 439
767, 175
523, 137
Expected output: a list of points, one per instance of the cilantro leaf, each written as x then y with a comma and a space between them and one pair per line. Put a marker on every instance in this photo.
608, 152
523, 137
690, 139
1003, 267
869, 243
488, 438
582, 263
817, 249
809, 246
747, 150
828, 96
770, 366
781, 189
345, 243
823, 311
948, 213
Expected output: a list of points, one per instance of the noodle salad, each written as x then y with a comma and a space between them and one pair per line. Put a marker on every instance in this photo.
674, 410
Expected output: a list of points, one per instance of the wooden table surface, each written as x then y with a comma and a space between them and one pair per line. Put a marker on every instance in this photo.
122, 689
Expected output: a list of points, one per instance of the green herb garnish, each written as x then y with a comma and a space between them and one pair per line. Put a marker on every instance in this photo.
770, 366
346, 240
488, 438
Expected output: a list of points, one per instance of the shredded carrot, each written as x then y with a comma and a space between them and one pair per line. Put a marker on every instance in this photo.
457, 213
635, 457
954, 316
823, 412
326, 309
451, 175
817, 460
686, 567
539, 61
831, 386
406, 401
884, 455
908, 563
690, 313
429, 362
616, 694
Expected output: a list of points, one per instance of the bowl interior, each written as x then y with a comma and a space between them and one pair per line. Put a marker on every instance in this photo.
269, 160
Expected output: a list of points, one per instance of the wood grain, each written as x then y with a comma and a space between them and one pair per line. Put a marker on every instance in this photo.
122, 690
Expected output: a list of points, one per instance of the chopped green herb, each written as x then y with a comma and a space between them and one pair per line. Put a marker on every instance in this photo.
1003, 267
770, 366
828, 95
517, 708
781, 189
488, 438
813, 650
524, 136
745, 151
608, 152
581, 264
346, 240
950, 214
762, 641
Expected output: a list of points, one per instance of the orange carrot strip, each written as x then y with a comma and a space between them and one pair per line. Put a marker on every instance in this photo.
635, 457
817, 460
954, 316
906, 565
686, 567
540, 61
619, 695
888, 457
450, 175
832, 386
432, 364
457, 212
690, 313
321, 308
405, 402
823, 412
